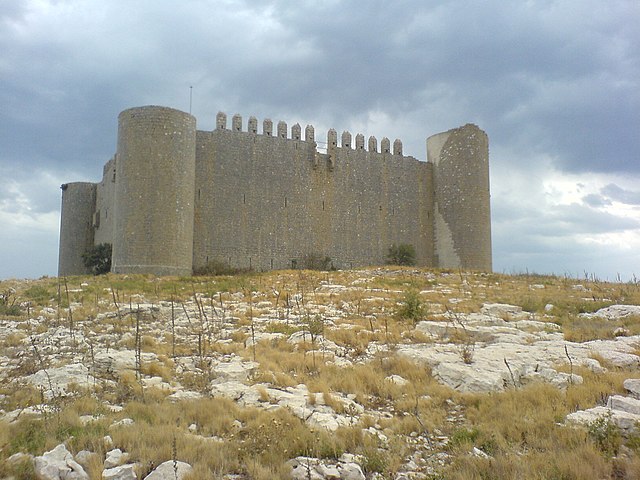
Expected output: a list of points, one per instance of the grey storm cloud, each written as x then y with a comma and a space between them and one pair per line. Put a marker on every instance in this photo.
619, 194
545, 79
595, 200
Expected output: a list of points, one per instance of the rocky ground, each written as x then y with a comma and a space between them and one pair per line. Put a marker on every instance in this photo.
231, 339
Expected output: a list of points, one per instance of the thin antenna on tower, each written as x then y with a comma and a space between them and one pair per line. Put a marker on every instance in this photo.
190, 98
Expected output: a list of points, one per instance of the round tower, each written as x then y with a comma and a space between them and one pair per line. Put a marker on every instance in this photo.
154, 201
76, 226
462, 218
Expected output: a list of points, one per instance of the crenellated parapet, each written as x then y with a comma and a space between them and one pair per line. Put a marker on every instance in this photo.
282, 132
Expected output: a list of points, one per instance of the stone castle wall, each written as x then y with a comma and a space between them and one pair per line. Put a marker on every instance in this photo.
173, 199
267, 202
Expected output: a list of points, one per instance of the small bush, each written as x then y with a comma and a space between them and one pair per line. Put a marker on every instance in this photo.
98, 258
411, 307
606, 434
8, 304
403, 254
215, 268
316, 261
38, 293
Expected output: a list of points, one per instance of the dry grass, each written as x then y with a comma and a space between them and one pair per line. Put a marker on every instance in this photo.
520, 429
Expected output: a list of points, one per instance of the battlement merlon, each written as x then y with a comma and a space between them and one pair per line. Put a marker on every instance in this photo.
346, 140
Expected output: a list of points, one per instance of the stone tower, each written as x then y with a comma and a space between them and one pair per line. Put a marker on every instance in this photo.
155, 179
462, 216
76, 226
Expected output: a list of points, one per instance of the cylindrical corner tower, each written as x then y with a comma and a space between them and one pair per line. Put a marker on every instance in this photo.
76, 226
462, 218
155, 182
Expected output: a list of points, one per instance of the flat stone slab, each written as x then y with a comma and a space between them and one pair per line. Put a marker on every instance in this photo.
633, 387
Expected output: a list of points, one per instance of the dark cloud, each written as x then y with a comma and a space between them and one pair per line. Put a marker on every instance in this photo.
594, 200
618, 194
545, 79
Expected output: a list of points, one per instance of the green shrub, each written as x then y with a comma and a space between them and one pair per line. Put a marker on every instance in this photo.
403, 254
98, 258
215, 268
316, 261
411, 307
606, 434
8, 303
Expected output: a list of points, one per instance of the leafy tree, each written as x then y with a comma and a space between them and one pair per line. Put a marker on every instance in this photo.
403, 254
98, 258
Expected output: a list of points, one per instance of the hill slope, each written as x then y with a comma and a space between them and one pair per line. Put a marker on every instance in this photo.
383, 373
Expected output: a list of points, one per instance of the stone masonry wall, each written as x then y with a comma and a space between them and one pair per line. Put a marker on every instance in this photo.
266, 202
105, 202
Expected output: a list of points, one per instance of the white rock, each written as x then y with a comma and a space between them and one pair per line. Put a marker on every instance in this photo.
503, 310
85, 458
476, 452
58, 464
615, 312
627, 422
19, 457
397, 380
350, 471
624, 404
123, 472
260, 336
321, 342
328, 471
109, 364
304, 468
170, 471
633, 387
54, 382
115, 458
235, 370
181, 395
125, 422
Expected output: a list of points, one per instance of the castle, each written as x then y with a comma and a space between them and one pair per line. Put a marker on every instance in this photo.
173, 198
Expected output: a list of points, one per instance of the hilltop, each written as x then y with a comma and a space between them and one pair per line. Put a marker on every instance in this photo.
389, 372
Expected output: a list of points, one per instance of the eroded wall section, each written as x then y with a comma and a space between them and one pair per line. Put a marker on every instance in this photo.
462, 217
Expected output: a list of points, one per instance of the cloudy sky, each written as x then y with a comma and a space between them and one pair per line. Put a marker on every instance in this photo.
555, 84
